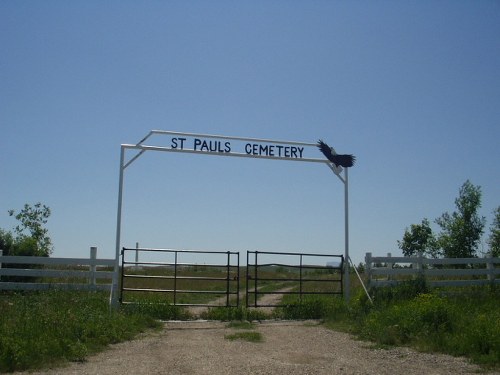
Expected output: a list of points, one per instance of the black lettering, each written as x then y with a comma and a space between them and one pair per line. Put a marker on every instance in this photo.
293, 152
248, 148
197, 142
213, 146
174, 143
271, 151
255, 149
301, 149
228, 147
263, 150
287, 152
279, 150
204, 146
182, 142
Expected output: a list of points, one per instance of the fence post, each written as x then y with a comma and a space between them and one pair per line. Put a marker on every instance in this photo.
368, 268
420, 264
389, 267
489, 266
136, 267
93, 256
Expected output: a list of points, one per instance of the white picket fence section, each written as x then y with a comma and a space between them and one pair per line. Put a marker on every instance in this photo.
83, 269
385, 271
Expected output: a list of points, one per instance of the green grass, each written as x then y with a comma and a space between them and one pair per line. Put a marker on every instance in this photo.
311, 307
234, 314
47, 328
245, 336
156, 305
463, 323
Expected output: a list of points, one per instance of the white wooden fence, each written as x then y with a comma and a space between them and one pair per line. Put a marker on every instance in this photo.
384, 271
66, 273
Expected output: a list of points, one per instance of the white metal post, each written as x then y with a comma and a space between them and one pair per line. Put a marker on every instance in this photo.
346, 209
137, 252
136, 267
114, 287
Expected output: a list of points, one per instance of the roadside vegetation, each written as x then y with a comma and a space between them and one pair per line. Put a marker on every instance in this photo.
463, 322
42, 329
39, 330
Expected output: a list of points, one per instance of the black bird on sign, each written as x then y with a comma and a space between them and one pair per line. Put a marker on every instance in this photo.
345, 161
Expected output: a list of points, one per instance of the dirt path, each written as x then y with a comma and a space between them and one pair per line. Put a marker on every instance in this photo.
266, 299
200, 347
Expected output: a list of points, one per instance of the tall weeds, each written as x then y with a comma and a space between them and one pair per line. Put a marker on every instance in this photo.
41, 329
463, 322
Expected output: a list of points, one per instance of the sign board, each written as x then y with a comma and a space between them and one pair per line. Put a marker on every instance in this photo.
231, 146
249, 148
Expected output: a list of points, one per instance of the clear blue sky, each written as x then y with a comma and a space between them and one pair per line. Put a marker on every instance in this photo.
412, 88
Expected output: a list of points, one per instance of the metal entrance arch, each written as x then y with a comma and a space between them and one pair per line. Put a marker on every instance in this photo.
218, 145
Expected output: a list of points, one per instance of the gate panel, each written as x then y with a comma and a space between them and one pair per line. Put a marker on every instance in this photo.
298, 274
177, 277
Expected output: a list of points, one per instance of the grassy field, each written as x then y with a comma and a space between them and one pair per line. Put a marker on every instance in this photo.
46, 328
40, 329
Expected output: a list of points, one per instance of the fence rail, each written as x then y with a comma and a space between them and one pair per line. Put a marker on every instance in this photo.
85, 270
386, 271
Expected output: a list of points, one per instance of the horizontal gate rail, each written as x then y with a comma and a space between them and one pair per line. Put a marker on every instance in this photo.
226, 284
301, 276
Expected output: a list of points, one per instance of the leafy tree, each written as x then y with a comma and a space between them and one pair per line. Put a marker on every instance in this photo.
419, 239
32, 237
6, 242
494, 239
462, 230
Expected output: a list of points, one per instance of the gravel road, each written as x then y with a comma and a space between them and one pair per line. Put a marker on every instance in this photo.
200, 347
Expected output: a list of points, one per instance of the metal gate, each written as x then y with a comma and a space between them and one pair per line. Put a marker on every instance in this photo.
300, 274
174, 277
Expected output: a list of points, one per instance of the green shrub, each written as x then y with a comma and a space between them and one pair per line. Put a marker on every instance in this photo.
234, 313
40, 329
425, 317
477, 331
463, 322
312, 307
161, 311
405, 290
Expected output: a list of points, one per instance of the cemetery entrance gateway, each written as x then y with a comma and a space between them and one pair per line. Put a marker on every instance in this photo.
217, 145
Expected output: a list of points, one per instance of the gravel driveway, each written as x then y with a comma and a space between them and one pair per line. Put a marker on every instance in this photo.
199, 347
